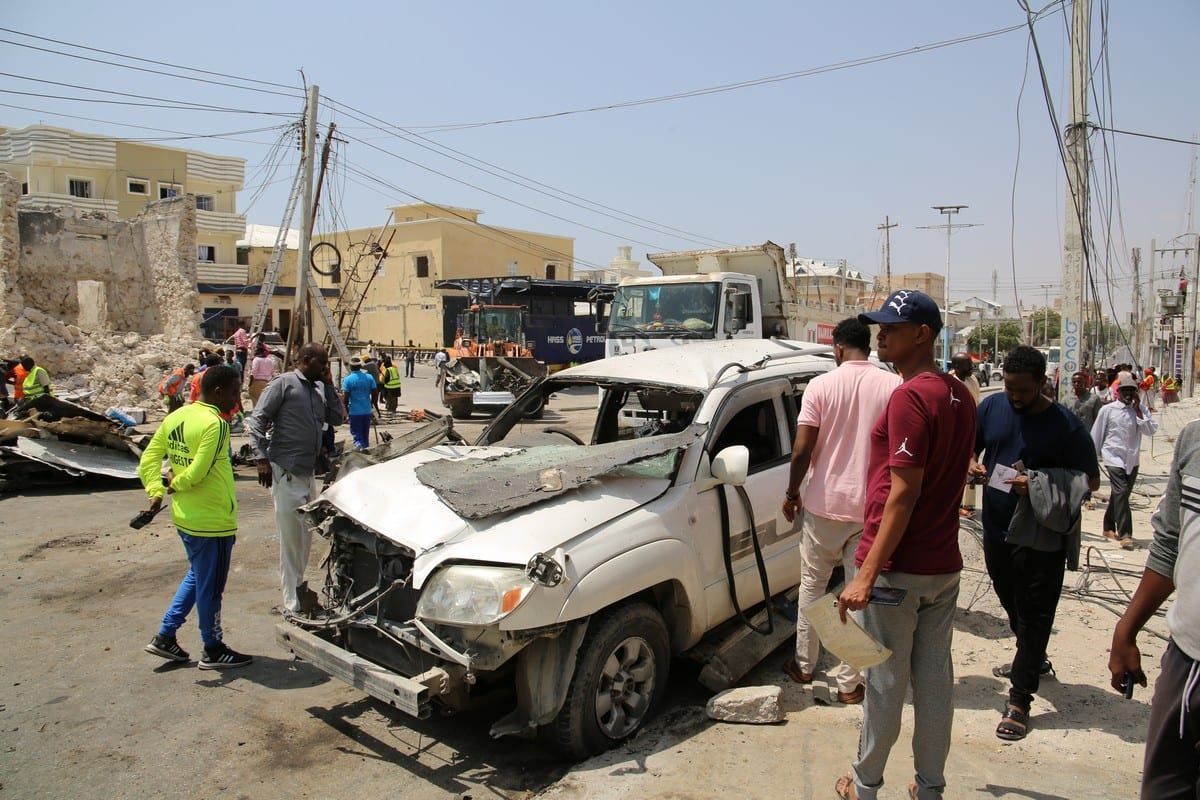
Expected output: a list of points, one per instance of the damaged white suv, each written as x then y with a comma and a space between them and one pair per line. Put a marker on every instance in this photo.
572, 562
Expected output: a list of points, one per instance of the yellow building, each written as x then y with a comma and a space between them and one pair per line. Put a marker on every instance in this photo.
61, 167
931, 283
425, 243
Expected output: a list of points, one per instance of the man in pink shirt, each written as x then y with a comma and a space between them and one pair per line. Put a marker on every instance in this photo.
833, 433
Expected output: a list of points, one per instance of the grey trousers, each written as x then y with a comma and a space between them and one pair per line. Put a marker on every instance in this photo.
918, 632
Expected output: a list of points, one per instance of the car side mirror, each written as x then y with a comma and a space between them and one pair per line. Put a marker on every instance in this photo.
732, 464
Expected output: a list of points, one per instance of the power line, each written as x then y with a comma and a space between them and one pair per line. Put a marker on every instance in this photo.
524, 180
538, 248
133, 140
201, 106
148, 60
144, 105
497, 195
145, 69
1190, 142
730, 87
122, 124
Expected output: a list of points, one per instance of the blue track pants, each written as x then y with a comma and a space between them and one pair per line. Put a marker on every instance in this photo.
202, 587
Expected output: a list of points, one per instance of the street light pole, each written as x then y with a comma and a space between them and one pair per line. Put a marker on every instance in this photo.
949, 211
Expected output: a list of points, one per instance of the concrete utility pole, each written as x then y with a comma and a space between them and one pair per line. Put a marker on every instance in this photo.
1137, 306
995, 319
300, 325
949, 212
1074, 344
1152, 310
886, 227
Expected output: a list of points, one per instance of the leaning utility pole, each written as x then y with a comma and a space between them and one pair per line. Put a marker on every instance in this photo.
1074, 349
886, 227
300, 326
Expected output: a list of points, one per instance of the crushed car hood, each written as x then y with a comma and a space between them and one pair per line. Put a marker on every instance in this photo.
389, 500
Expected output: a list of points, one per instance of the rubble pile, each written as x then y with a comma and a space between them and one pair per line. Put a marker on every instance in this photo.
119, 369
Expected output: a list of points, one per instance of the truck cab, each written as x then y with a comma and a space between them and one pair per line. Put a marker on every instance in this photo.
650, 313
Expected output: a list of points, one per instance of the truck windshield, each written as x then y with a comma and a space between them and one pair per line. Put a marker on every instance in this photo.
665, 307
497, 324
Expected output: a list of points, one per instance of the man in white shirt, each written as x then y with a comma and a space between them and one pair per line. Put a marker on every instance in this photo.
1117, 434
838, 413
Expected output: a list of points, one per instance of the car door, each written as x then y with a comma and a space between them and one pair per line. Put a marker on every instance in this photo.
754, 417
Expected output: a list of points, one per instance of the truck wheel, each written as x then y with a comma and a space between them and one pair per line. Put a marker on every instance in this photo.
462, 410
620, 679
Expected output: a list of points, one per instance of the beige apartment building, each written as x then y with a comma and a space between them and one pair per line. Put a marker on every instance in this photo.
62, 167
833, 285
425, 243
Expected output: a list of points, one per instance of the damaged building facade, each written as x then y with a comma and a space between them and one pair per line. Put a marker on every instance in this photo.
106, 305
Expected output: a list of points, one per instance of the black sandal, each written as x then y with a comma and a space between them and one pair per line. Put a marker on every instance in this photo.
1014, 724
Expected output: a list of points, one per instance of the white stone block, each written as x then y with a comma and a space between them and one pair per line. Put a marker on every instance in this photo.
754, 705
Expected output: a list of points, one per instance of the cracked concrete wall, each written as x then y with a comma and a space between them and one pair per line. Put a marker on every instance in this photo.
146, 265
88, 296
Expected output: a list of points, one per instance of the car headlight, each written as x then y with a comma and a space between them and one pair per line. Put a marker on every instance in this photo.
473, 595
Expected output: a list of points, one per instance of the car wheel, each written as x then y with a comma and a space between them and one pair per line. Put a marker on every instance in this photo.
619, 681
462, 410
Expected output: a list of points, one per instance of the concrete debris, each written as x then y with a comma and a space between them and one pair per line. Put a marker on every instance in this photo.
485, 487
752, 705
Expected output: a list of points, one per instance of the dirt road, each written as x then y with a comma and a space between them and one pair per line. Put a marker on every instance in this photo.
84, 712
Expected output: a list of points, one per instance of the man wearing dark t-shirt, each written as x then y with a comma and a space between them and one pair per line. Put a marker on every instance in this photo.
1025, 430
920, 450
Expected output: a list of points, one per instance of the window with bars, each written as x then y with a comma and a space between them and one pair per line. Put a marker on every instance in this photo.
205, 202
166, 190
206, 253
79, 187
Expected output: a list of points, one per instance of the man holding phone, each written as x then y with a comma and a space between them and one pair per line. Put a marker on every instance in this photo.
919, 452
1171, 769
1117, 434
1024, 430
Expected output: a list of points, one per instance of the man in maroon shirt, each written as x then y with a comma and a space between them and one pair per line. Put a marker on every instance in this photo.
908, 557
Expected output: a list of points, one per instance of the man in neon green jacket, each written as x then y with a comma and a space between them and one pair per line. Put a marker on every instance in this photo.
195, 442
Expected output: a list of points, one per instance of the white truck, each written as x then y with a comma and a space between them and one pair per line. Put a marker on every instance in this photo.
731, 293
573, 568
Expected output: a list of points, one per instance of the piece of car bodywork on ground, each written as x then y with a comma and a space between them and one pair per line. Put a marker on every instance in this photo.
81, 457
480, 488
428, 434
52, 409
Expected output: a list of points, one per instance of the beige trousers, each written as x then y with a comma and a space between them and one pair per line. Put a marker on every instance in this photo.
824, 543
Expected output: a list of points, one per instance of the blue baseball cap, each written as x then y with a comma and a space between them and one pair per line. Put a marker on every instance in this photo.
906, 305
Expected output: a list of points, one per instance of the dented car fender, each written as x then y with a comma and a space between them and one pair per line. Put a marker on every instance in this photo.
666, 561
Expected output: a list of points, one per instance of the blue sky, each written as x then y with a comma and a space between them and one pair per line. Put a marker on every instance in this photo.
817, 161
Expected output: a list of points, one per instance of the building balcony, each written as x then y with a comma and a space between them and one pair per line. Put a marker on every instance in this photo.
221, 222
224, 274
91, 204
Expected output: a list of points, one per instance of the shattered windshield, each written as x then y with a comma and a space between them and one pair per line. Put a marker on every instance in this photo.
676, 307
585, 415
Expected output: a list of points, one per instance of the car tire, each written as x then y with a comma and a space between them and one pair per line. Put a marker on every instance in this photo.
462, 410
622, 665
